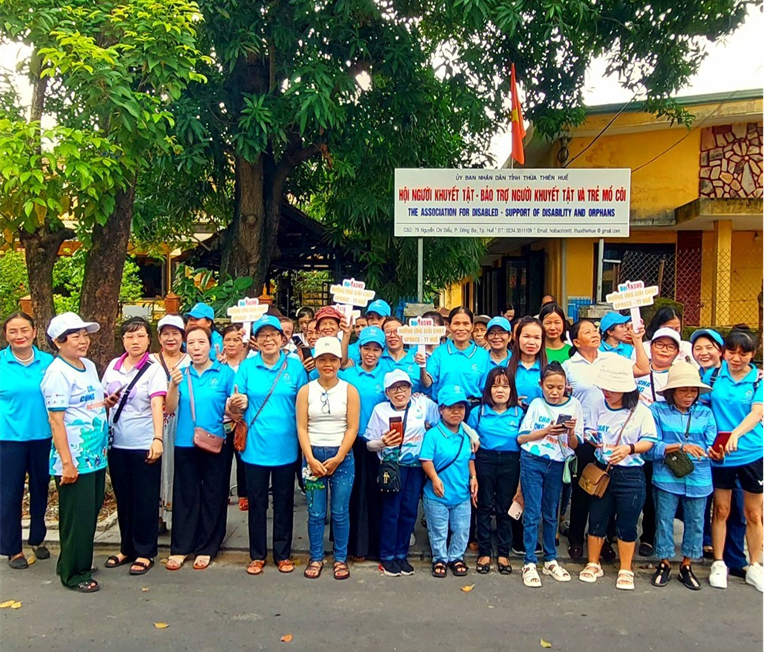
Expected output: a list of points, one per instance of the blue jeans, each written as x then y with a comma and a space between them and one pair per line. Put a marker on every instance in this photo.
541, 483
441, 518
339, 484
666, 505
399, 514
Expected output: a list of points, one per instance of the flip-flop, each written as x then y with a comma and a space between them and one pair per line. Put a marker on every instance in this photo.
89, 586
113, 561
143, 567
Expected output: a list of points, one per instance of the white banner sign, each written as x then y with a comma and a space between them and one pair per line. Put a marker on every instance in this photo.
633, 295
247, 312
537, 203
421, 331
352, 292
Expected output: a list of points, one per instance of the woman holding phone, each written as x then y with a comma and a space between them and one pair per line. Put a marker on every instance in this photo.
737, 400
137, 444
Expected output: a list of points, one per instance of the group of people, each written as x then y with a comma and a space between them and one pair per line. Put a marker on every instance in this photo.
507, 422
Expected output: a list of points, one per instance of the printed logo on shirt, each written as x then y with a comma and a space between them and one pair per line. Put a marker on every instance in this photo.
214, 382
286, 376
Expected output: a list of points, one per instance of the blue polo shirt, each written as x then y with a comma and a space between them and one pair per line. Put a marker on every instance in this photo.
353, 352
623, 348
272, 438
527, 382
370, 386
497, 431
449, 365
23, 416
211, 390
408, 364
439, 447
671, 429
492, 365
731, 402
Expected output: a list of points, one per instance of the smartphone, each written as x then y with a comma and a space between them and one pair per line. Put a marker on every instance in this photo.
515, 511
396, 423
562, 418
306, 352
719, 445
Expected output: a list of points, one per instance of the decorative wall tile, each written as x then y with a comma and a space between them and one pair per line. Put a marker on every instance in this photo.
732, 161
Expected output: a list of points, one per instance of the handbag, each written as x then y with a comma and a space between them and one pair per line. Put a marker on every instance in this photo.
389, 476
124, 400
241, 430
594, 480
569, 469
677, 461
201, 437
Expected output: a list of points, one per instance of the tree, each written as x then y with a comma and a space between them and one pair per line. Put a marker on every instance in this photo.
104, 74
319, 101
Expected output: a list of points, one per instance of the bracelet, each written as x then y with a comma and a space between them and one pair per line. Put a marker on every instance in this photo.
160, 439
632, 449
472, 477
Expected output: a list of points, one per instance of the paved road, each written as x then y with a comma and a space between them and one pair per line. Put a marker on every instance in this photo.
223, 609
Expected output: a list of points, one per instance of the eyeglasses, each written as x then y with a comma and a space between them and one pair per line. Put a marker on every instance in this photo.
268, 336
399, 389
665, 346
325, 406
391, 332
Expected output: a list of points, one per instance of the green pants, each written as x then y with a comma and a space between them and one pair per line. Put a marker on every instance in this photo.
79, 505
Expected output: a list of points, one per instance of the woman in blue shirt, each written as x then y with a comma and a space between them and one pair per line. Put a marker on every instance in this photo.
446, 458
395, 356
738, 404
528, 360
25, 439
459, 361
497, 463
270, 381
498, 335
685, 428
201, 478
366, 499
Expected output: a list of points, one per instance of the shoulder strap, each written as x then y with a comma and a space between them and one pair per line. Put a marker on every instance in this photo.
272, 389
192, 396
714, 376
688, 424
163, 363
459, 450
622, 429
127, 391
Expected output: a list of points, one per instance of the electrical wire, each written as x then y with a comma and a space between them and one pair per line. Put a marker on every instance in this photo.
601, 133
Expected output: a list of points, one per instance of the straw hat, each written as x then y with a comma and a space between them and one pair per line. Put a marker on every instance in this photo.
684, 374
616, 374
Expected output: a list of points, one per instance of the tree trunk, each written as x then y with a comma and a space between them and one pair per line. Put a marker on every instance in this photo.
41, 249
100, 297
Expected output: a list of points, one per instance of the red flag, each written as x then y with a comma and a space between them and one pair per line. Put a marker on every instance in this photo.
516, 118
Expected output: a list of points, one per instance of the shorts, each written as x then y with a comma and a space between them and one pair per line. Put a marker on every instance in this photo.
751, 477
623, 500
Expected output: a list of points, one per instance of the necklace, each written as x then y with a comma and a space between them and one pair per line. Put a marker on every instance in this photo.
26, 360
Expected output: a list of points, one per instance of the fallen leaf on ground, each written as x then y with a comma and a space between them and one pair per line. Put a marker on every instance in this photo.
16, 605
31, 559
7, 604
545, 643
468, 588
287, 638
161, 625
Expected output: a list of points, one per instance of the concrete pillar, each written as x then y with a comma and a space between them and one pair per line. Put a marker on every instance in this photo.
722, 273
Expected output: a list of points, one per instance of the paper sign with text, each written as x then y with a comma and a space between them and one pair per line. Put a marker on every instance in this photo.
421, 331
246, 312
352, 292
633, 295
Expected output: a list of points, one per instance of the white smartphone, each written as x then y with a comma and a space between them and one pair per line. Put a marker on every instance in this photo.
515, 511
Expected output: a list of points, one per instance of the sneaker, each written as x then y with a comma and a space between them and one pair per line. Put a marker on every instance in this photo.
719, 574
391, 568
755, 576
406, 568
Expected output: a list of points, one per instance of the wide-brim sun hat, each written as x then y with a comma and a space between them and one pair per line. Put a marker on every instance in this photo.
396, 376
69, 321
616, 375
684, 374
330, 345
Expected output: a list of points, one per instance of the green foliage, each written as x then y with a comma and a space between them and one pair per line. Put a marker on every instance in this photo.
13, 281
205, 285
68, 280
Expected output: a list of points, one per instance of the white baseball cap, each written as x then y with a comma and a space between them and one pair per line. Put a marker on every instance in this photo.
69, 321
330, 345
668, 332
396, 376
171, 320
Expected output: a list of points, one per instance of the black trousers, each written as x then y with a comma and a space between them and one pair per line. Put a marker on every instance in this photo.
17, 459
258, 481
365, 504
137, 492
580, 501
649, 520
498, 475
201, 488
240, 471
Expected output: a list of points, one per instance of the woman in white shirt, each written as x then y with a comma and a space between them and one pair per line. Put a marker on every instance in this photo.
622, 429
136, 424
667, 317
327, 415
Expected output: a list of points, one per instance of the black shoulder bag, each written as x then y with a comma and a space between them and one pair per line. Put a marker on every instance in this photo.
124, 399
389, 476
677, 461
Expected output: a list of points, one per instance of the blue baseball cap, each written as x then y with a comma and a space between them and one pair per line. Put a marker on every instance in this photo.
381, 308
266, 320
201, 311
707, 332
612, 319
499, 322
372, 334
451, 395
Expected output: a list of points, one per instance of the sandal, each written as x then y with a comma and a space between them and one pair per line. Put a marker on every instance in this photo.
201, 562
175, 562
473, 546
556, 571
439, 569
531, 576
256, 567
113, 561
687, 578
41, 552
313, 570
142, 566
662, 575
483, 567
590, 573
458, 568
504, 568
18, 563
89, 586
625, 580
341, 570
285, 566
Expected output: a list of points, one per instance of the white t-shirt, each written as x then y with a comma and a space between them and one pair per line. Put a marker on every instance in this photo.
78, 393
134, 429
421, 410
581, 374
540, 415
644, 384
603, 425
327, 414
